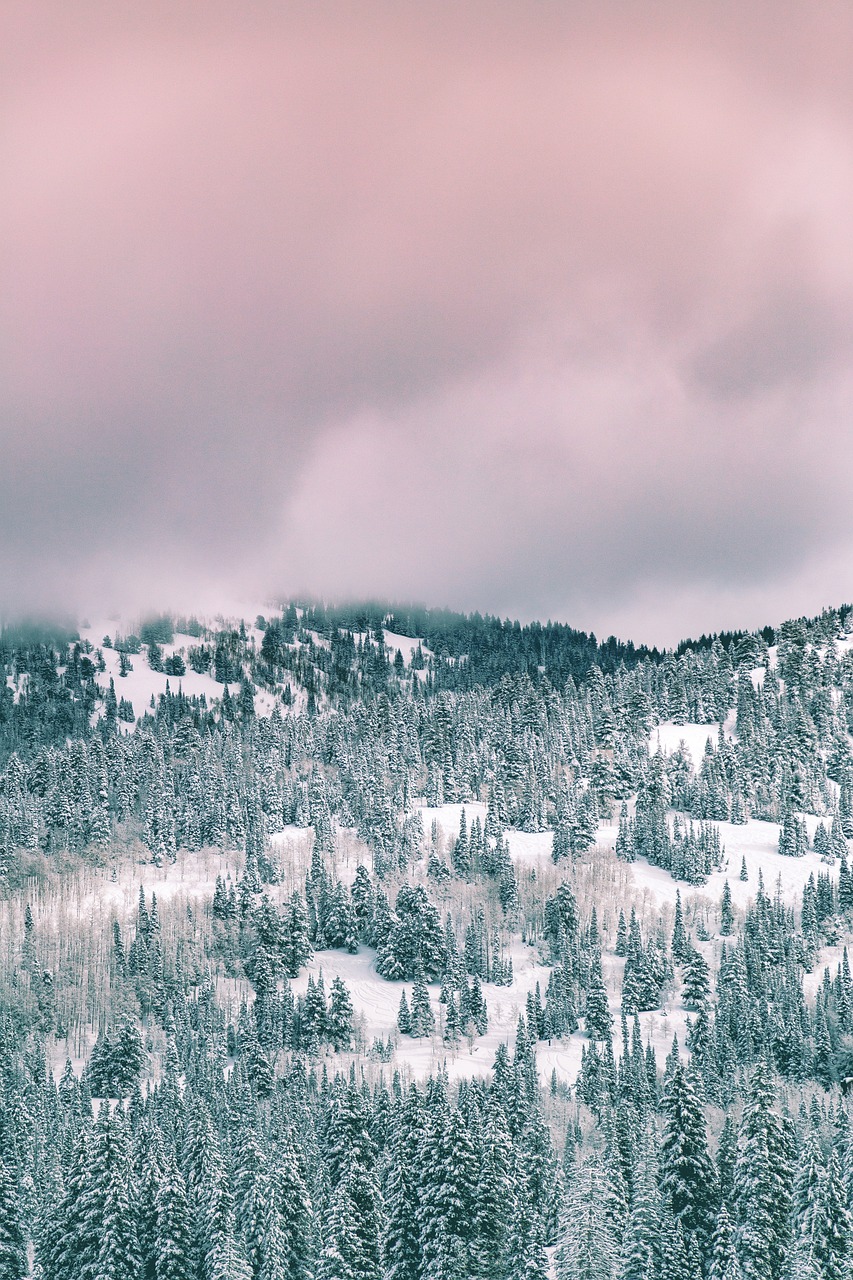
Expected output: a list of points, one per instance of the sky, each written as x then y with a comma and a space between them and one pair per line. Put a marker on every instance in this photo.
542, 309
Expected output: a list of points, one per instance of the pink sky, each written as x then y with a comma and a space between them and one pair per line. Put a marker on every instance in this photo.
541, 309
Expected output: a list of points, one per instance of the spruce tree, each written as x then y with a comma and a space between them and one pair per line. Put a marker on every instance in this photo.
422, 1018
762, 1183
641, 1242
589, 1247
173, 1247
112, 1206
341, 1014
723, 1259
599, 1020
688, 1177
13, 1249
726, 913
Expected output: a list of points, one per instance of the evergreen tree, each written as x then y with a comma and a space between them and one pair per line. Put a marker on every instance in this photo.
173, 1249
340, 1022
697, 980
726, 913
589, 1246
404, 1020
679, 934
111, 1205
599, 1020
723, 1259
762, 1184
422, 1020
688, 1177
13, 1250
402, 1251
641, 1241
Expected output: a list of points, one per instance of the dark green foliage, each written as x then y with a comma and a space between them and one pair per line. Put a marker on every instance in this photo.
236, 1150
598, 1020
116, 1061
13, 1251
416, 939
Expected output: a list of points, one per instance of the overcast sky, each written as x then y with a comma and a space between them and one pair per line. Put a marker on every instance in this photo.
543, 308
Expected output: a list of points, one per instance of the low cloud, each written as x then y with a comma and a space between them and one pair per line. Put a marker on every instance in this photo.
541, 313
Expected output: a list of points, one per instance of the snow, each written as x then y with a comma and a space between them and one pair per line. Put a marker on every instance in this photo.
755, 841
140, 684
377, 1002
448, 816
293, 845
529, 848
191, 876
668, 737
94, 898
406, 644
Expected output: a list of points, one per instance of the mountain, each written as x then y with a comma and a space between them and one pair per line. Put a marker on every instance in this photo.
375, 941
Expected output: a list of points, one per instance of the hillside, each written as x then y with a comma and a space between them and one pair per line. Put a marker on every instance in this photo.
370, 942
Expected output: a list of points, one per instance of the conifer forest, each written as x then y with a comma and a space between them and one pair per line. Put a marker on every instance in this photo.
371, 943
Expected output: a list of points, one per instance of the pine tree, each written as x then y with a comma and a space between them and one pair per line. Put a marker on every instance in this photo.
448, 1193
111, 1206
173, 1247
223, 1257
402, 1251
697, 980
340, 1257
641, 1241
723, 1260
404, 1020
495, 1198
688, 1177
762, 1184
293, 1206
340, 1022
835, 1242
589, 1248
679, 934
422, 1018
13, 1249
621, 948
599, 1020
807, 1207
452, 1022
70, 1239
726, 913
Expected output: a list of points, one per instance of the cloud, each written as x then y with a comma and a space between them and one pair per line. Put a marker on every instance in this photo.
529, 310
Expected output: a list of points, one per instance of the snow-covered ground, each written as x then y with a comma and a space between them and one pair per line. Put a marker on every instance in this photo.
141, 684
668, 736
757, 843
96, 897
406, 644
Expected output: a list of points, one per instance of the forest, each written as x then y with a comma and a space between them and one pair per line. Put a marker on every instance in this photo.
381, 943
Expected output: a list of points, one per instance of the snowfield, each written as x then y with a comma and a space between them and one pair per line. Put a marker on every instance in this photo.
192, 877
599, 877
